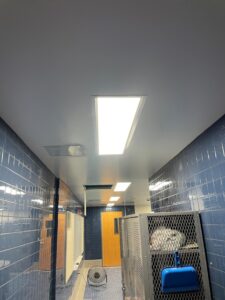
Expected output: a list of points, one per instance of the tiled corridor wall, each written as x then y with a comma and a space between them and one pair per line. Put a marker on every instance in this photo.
92, 236
26, 188
195, 180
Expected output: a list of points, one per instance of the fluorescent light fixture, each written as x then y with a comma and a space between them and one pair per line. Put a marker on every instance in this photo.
110, 204
159, 185
122, 186
114, 198
117, 118
11, 191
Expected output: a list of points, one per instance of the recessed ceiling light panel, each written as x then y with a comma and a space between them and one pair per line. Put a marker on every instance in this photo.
116, 118
114, 198
122, 186
110, 204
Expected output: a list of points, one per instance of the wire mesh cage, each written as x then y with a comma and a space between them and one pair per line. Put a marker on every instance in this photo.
148, 243
132, 262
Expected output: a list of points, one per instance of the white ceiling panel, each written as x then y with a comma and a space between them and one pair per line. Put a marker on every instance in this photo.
56, 55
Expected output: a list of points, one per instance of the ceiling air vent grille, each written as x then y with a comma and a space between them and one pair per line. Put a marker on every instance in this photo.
98, 186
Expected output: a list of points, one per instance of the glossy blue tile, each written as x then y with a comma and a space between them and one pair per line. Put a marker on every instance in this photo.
22, 178
218, 292
203, 173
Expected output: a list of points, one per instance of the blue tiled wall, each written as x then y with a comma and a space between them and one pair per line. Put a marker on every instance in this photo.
26, 188
93, 239
195, 180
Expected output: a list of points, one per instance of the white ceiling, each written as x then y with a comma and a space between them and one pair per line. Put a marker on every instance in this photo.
55, 55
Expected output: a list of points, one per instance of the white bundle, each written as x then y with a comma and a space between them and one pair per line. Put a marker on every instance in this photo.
167, 239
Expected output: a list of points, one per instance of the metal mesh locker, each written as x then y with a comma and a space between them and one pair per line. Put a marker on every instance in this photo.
132, 262
147, 248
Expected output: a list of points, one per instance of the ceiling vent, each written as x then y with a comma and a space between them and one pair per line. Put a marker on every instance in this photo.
98, 187
65, 150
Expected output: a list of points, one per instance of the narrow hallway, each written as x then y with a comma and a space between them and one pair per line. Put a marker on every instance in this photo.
112, 150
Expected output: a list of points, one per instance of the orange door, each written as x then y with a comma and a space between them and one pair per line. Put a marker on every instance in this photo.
110, 239
46, 238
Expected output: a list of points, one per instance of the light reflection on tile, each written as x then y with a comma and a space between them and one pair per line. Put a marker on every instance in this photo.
24, 248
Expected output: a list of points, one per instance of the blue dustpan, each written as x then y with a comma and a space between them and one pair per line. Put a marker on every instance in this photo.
179, 279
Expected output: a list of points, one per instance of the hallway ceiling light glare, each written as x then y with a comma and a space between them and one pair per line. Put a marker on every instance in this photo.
116, 120
114, 198
122, 186
59, 206
159, 185
39, 201
110, 204
66, 150
11, 191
